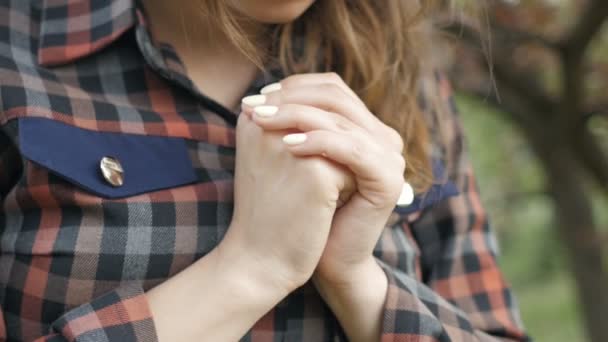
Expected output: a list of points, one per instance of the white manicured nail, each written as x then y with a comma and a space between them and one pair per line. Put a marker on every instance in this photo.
254, 100
407, 195
294, 139
270, 88
266, 111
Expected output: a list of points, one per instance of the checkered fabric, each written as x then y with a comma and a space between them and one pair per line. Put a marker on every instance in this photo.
76, 260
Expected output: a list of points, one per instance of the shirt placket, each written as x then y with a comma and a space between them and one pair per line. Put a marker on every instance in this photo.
165, 61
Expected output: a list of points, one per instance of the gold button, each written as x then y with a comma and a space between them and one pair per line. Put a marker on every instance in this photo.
112, 171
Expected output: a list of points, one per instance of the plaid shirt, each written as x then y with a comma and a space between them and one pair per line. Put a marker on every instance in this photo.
80, 80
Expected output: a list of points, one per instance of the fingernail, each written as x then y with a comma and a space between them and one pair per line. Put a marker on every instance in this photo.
266, 111
270, 88
294, 139
254, 100
407, 195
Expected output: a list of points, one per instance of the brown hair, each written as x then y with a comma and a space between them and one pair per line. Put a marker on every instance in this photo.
379, 48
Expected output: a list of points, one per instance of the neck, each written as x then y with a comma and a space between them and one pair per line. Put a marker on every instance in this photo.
210, 56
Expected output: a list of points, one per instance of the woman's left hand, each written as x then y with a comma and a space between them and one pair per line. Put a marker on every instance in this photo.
333, 122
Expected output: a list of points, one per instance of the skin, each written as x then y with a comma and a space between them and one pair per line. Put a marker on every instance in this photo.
335, 191
271, 11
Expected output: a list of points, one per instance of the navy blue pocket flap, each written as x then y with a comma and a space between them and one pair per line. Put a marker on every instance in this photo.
150, 163
434, 195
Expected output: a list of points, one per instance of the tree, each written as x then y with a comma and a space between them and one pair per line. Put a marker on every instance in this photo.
541, 63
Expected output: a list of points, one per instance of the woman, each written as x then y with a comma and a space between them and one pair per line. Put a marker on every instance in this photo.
139, 205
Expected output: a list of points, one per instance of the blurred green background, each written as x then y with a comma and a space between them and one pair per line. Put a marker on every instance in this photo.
532, 78
512, 187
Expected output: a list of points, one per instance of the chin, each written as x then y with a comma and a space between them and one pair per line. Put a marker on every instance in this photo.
273, 11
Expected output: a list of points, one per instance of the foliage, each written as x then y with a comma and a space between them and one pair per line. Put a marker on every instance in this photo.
542, 66
521, 215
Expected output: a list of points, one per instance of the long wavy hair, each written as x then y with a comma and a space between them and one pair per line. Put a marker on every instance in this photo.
379, 48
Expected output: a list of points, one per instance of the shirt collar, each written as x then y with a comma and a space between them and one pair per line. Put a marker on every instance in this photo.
71, 29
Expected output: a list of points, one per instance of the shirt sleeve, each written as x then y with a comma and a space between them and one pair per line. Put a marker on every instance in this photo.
10, 165
7, 159
444, 281
120, 315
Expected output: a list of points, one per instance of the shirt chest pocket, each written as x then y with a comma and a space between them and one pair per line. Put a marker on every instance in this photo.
134, 230
109, 165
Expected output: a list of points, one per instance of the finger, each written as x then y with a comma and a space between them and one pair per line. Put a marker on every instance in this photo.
355, 150
330, 93
300, 117
332, 98
300, 80
248, 103
378, 172
326, 96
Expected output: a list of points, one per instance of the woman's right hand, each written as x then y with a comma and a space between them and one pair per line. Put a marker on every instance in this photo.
283, 206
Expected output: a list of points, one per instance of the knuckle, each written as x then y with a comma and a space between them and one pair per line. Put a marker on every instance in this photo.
395, 138
356, 151
282, 96
319, 175
291, 81
401, 162
297, 111
392, 184
395, 178
330, 89
334, 93
333, 77
295, 80
290, 110
297, 117
395, 192
343, 124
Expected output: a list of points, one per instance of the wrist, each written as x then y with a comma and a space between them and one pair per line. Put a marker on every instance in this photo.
219, 297
357, 299
249, 272
361, 281
348, 275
